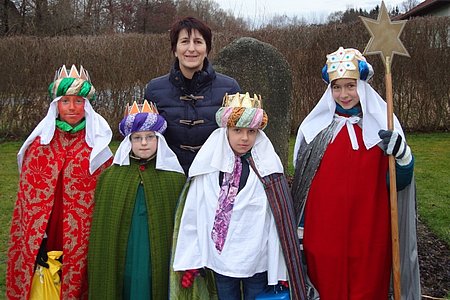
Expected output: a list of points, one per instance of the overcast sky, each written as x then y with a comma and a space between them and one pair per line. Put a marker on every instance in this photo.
315, 11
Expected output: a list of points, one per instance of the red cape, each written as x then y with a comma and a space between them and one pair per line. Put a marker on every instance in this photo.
67, 156
347, 223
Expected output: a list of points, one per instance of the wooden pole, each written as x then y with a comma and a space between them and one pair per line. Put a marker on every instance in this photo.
393, 187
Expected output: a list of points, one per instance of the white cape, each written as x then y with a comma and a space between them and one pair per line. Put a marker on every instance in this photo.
252, 244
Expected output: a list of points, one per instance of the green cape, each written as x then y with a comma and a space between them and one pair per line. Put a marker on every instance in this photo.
114, 203
202, 287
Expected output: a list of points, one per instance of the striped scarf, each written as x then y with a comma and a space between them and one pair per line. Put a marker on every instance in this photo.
72, 86
280, 201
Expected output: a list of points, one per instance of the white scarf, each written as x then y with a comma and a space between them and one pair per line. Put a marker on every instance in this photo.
374, 117
98, 135
216, 155
165, 157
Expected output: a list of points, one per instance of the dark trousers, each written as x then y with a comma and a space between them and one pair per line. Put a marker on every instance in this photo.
229, 288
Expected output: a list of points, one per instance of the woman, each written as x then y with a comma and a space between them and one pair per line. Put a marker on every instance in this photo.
189, 96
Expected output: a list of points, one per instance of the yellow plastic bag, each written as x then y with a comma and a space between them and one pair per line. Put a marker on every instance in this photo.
46, 284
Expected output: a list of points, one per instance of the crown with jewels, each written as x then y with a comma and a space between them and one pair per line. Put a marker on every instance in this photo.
242, 100
346, 63
72, 82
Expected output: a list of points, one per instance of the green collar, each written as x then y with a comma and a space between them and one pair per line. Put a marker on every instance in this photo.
139, 160
247, 155
64, 126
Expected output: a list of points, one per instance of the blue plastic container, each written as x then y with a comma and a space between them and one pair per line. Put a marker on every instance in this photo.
274, 293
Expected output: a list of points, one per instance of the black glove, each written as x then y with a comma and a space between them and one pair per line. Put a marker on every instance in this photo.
393, 144
42, 256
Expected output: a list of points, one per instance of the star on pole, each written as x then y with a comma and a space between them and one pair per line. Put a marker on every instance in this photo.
385, 41
385, 34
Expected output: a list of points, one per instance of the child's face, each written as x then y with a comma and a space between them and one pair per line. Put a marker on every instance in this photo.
344, 92
71, 109
241, 139
144, 144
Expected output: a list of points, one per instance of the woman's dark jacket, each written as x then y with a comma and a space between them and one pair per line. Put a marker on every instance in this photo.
189, 107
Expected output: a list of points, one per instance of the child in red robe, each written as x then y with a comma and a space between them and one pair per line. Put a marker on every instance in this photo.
341, 189
59, 164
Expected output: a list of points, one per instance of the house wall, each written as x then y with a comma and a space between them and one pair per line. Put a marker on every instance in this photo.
441, 11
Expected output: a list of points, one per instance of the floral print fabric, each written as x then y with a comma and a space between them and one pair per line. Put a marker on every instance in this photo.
228, 192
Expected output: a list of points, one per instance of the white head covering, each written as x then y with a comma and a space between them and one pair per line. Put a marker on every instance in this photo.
216, 155
165, 157
374, 117
98, 135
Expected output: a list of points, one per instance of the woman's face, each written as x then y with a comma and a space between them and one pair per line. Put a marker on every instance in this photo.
71, 109
144, 144
190, 51
345, 93
241, 139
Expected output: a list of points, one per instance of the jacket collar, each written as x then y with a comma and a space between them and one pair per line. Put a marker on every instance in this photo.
199, 80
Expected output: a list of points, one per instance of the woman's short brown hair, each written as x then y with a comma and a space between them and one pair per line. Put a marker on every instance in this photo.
190, 23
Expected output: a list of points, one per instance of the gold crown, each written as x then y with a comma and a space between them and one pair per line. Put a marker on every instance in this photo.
73, 73
343, 63
141, 108
242, 100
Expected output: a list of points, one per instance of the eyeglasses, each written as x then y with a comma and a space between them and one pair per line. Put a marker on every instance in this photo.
139, 139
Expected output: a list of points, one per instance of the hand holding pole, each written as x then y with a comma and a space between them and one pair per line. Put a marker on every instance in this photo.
385, 41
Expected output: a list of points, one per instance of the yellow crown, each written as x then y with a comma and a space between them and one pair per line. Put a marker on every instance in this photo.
343, 63
73, 73
242, 100
141, 108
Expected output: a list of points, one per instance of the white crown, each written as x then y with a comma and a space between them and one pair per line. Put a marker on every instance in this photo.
62, 73
242, 100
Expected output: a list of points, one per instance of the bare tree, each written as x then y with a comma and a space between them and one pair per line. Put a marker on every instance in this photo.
156, 16
9, 17
407, 5
209, 12
127, 15
40, 16
69, 17
22, 11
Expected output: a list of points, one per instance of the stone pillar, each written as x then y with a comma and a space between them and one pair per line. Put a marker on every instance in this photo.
261, 69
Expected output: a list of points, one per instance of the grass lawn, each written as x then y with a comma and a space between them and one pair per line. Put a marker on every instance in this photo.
8, 189
432, 172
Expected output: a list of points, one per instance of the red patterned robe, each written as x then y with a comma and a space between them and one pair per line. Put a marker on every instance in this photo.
65, 160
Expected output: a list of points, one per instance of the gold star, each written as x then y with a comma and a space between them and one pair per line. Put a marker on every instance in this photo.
385, 34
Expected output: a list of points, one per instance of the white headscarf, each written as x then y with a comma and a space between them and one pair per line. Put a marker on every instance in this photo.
374, 117
98, 135
216, 155
165, 157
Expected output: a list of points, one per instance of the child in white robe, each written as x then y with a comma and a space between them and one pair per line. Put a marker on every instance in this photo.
227, 224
